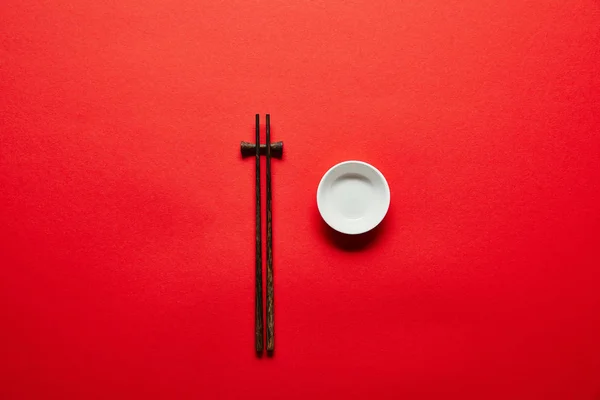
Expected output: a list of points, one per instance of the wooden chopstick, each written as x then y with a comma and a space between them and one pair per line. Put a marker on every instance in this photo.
258, 307
270, 308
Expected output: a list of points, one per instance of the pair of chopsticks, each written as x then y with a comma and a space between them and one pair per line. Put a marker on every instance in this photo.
258, 321
270, 150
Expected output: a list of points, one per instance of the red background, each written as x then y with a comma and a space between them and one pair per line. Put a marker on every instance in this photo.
127, 212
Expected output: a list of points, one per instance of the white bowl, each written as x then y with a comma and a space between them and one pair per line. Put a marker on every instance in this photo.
353, 197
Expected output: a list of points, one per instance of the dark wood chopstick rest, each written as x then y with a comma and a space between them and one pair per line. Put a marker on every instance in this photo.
249, 149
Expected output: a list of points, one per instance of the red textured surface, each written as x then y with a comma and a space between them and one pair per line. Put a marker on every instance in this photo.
126, 211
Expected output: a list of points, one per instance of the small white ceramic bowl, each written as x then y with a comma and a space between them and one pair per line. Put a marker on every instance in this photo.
353, 197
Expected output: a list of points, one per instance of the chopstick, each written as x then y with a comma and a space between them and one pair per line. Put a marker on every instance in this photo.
258, 307
270, 305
